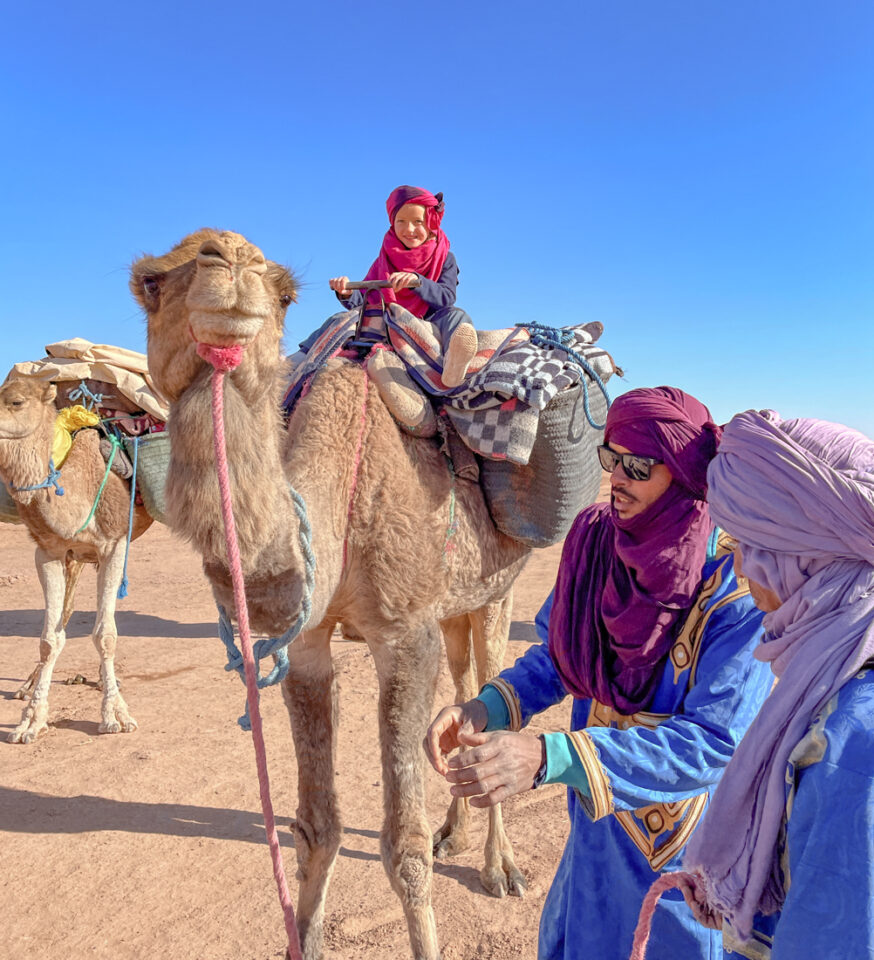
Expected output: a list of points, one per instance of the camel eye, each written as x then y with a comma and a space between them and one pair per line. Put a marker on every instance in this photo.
150, 286
284, 300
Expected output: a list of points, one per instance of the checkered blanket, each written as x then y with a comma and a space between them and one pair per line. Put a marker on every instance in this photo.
511, 379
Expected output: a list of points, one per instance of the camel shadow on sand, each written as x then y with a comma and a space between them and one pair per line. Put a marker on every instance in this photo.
24, 811
28, 623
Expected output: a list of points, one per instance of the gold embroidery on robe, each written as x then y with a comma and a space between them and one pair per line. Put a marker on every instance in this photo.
758, 947
511, 699
660, 830
600, 801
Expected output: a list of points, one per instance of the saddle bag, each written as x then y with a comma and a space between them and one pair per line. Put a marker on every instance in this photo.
153, 462
537, 503
8, 510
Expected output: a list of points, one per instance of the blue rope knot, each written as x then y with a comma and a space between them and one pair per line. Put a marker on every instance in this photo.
276, 647
90, 400
542, 335
50, 481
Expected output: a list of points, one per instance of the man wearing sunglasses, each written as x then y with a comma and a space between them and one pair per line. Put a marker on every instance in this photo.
651, 634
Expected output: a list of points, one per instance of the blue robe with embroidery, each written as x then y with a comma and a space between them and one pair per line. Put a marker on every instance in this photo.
828, 855
638, 785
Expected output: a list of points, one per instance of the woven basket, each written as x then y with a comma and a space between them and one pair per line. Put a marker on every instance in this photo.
8, 510
153, 461
537, 503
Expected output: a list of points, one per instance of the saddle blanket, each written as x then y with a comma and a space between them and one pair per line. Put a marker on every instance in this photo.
511, 379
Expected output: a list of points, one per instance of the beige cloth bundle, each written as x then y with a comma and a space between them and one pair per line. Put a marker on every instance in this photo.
79, 359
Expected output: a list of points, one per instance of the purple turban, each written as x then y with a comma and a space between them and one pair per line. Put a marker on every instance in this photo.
798, 495
624, 587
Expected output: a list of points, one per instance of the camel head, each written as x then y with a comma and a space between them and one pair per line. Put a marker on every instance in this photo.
216, 289
25, 405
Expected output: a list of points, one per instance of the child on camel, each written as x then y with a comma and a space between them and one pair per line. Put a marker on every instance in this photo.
423, 273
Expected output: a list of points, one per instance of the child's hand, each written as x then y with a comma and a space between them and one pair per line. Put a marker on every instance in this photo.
401, 280
338, 285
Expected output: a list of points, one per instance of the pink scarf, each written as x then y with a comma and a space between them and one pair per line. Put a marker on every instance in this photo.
426, 260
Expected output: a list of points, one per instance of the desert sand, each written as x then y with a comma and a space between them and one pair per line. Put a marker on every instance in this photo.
151, 844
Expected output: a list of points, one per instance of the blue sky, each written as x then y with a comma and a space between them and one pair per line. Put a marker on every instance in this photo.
697, 175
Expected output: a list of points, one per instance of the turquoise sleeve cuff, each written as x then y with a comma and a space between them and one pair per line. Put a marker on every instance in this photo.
499, 715
563, 764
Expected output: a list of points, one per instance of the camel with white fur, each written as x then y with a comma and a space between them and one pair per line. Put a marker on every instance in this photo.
388, 566
27, 418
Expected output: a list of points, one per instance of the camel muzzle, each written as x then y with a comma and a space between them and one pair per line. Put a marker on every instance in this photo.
222, 358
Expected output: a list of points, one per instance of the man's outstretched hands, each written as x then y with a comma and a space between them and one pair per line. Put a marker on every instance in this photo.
443, 735
490, 766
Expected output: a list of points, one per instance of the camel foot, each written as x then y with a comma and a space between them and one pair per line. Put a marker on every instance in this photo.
127, 725
116, 718
34, 721
449, 842
21, 694
503, 879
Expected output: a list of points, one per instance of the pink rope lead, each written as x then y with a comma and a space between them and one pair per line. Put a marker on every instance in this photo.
693, 891
224, 359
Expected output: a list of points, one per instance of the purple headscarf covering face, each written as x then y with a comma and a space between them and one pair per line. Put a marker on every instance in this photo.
799, 497
625, 586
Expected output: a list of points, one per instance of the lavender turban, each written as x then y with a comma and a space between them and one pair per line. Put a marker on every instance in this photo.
624, 587
799, 497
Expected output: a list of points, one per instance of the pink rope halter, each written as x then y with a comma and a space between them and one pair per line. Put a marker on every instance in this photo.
224, 359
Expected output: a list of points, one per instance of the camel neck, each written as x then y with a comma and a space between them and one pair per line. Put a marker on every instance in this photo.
261, 502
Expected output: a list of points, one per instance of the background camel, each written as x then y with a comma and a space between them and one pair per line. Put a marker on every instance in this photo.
27, 417
386, 564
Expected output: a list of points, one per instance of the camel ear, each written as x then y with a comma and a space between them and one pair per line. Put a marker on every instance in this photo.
49, 393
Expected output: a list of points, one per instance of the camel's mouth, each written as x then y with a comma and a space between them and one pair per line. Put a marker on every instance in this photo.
224, 329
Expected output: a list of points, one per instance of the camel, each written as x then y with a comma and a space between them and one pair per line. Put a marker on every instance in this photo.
27, 416
386, 569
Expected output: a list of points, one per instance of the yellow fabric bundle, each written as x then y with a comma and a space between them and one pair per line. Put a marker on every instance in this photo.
68, 420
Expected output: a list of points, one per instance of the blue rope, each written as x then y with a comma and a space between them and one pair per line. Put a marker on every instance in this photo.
91, 400
50, 481
276, 647
122, 590
543, 335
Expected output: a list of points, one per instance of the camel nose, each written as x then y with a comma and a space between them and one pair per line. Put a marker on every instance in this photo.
213, 253
221, 252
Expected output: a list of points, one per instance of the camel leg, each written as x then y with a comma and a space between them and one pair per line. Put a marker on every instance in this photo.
72, 568
310, 693
28, 685
115, 717
451, 838
407, 670
34, 719
491, 629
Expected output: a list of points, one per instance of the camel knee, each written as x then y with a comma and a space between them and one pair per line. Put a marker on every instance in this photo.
408, 861
316, 842
105, 644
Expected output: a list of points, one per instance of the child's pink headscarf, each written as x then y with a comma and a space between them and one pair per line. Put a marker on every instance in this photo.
426, 260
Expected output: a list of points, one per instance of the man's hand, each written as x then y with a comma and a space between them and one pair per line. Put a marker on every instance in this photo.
496, 766
443, 734
402, 280
338, 285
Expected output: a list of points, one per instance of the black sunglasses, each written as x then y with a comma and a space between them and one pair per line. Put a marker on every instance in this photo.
634, 466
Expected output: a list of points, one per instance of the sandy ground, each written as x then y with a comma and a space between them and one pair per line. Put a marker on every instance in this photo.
151, 844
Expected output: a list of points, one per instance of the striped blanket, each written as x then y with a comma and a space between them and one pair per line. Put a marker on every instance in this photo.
496, 409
